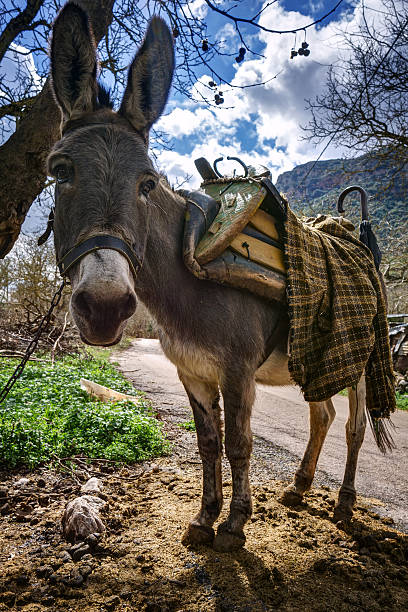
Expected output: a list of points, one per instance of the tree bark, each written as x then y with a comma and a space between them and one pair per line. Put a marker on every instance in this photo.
22, 157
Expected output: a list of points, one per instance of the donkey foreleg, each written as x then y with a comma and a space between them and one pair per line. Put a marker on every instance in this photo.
355, 429
204, 400
321, 417
238, 397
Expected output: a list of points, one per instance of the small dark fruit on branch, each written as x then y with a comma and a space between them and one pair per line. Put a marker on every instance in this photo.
204, 44
241, 54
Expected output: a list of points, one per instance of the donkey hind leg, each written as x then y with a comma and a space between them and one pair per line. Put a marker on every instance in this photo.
204, 400
239, 395
355, 429
321, 417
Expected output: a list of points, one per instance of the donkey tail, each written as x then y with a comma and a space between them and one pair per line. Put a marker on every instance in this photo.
381, 428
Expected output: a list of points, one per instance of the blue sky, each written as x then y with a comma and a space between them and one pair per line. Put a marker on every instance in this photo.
259, 124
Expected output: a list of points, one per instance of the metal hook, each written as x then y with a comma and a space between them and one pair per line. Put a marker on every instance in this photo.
363, 200
245, 167
215, 166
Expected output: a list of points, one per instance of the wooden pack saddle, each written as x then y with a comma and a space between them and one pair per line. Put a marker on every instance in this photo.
242, 225
240, 241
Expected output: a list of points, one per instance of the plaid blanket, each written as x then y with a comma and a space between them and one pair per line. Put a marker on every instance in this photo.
338, 316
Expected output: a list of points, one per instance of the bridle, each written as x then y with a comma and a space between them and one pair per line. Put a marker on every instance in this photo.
95, 243
99, 241
90, 245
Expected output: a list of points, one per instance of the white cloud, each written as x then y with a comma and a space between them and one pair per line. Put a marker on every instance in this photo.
276, 109
227, 36
18, 77
183, 122
316, 6
178, 166
18, 63
198, 8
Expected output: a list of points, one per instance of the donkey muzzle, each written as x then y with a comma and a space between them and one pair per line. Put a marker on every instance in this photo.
103, 297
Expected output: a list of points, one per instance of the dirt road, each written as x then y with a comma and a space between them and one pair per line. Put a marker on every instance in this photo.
280, 425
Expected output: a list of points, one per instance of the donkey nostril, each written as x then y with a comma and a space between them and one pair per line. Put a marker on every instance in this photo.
103, 308
129, 305
81, 300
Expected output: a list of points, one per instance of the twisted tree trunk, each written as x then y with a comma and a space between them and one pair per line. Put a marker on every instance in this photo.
22, 157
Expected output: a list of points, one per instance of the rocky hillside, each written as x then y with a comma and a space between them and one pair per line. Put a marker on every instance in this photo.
318, 192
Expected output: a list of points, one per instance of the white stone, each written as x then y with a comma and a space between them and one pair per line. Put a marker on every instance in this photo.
23, 482
93, 486
81, 518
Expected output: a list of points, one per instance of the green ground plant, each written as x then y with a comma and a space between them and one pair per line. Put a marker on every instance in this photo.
402, 400
188, 425
47, 416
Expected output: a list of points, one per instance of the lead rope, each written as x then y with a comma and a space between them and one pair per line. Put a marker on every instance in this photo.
45, 321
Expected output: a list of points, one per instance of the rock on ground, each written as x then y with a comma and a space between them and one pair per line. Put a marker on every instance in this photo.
82, 518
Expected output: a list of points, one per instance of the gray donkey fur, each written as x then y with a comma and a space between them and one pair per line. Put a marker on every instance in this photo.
216, 336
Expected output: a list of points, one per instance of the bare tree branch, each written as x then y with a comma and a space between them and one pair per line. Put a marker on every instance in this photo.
18, 108
365, 104
19, 24
28, 109
252, 20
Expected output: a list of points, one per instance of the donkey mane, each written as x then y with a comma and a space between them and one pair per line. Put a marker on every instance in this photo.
104, 96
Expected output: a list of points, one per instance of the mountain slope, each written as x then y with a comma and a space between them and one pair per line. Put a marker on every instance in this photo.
313, 190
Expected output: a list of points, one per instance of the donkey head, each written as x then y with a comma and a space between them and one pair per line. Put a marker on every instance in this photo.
104, 177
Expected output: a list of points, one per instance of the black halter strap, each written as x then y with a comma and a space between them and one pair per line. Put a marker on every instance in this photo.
94, 244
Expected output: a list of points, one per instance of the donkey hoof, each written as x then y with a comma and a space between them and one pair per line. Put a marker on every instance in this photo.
290, 497
342, 514
226, 541
197, 534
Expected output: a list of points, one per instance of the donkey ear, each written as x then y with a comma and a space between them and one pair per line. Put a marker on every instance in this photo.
149, 79
73, 62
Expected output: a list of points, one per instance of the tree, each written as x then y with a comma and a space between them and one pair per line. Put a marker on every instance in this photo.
29, 278
22, 157
365, 103
28, 281
28, 114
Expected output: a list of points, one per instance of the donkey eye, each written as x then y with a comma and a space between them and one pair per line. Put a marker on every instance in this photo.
62, 174
146, 187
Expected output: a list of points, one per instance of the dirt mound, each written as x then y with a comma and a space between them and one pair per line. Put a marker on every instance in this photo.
294, 559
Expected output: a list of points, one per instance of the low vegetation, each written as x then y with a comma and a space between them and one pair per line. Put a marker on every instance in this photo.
402, 401
47, 417
188, 425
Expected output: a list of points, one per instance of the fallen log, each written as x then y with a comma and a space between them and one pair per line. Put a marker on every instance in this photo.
104, 393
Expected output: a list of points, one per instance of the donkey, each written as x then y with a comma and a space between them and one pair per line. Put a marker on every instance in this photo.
216, 336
